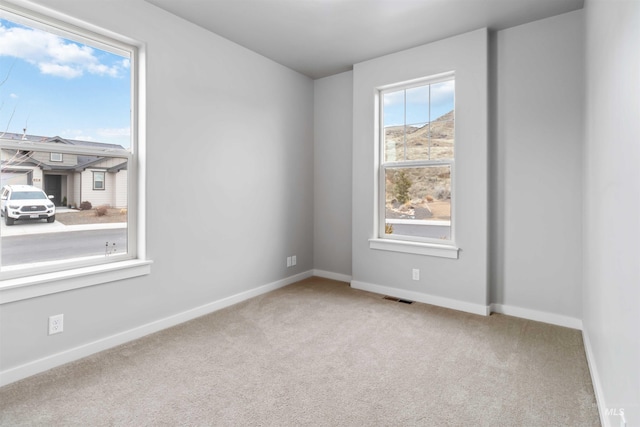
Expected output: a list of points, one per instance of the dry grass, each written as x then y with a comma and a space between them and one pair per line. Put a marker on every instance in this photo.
90, 217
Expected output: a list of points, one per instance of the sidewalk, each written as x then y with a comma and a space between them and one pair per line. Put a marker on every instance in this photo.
22, 228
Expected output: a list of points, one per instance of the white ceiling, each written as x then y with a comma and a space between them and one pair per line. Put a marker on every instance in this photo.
324, 37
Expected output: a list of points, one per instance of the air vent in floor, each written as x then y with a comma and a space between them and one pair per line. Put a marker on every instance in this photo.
404, 301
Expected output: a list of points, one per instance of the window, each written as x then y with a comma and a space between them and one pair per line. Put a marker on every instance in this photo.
97, 136
417, 161
98, 180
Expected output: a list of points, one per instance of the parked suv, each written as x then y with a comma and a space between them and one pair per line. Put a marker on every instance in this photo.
26, 202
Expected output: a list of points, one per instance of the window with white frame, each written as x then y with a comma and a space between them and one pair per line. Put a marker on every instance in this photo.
98, 180
98, 137
417, 160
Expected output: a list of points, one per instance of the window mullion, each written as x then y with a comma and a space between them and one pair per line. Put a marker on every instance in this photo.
404, 129
416, 163
429, 124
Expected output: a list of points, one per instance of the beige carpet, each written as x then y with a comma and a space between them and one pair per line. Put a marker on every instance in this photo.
320, 353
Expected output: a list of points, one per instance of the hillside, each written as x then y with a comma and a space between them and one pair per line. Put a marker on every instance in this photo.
429, 192
428, 142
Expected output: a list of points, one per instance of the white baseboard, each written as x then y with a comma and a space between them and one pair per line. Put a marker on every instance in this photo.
538, 316
35, 367
468, 307
331, 275
595, 379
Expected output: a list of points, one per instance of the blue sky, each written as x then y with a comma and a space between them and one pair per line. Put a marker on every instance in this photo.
442, 99
56, 87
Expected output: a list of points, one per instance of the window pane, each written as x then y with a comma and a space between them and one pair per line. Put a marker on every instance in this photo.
393, 108
71, 114
63, 217
394, 143
417, 105
419, 123
98, 180
442, 100
393, 125
418, 201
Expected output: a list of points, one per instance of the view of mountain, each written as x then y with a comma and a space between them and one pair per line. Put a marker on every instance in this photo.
428, 195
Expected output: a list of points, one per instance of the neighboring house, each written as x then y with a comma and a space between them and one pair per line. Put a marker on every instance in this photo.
71, 177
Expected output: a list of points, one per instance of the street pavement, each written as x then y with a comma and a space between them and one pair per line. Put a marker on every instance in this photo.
21, 228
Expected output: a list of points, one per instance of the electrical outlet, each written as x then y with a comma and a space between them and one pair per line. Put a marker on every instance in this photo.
416, 274
288, 261
294, 260
56, 324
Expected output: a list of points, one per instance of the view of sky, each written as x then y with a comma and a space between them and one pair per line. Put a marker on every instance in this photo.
442, 99
57, 87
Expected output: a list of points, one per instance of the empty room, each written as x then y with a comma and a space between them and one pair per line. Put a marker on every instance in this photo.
320, 212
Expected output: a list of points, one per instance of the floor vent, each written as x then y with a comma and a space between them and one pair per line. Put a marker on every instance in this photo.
404, 301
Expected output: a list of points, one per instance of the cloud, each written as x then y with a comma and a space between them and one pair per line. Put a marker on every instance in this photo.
54, 55
394, 98
443, 91
76, 134
58, 70
115, 132
13, 96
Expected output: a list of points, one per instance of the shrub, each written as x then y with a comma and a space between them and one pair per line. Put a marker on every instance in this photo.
101, 210
403, 183
64, 201
85, 206
429, 198
443, 193
388, 229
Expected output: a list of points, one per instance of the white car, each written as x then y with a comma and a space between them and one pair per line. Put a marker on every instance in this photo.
26, 202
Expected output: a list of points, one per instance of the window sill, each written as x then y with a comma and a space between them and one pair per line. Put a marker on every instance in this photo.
22, 288
418, 248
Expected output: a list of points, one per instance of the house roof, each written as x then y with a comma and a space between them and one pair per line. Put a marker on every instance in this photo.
84, 161
25, 161
58, 140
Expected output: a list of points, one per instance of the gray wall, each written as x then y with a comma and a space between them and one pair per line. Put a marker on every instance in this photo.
611, 311
333, 117
222, 214
462, 280
536, 165
536, 117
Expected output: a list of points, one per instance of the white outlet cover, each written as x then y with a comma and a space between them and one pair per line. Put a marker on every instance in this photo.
294, 260
56, 324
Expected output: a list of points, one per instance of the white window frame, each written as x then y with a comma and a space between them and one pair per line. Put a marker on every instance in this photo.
407, 243
56, 157
20, 282
104, 180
